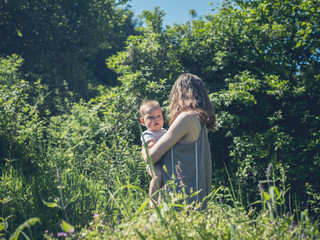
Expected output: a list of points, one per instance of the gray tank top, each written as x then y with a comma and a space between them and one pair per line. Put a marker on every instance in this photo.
191, 163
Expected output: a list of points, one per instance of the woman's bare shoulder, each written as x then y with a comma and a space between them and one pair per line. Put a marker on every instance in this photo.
188, 122
187, 116
184, 122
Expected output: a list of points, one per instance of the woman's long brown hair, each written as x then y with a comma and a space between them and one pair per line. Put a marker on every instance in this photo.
189, 94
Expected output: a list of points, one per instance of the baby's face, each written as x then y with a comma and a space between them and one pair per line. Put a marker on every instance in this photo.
153, 119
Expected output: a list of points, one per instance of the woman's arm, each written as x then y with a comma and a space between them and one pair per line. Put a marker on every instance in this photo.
185, 128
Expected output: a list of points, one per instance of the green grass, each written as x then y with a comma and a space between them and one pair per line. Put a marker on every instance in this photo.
175, 219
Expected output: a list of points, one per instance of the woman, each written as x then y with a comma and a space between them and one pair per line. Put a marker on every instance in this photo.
185, 145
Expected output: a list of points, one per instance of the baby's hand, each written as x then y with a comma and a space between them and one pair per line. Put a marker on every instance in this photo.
144, 154
150, 144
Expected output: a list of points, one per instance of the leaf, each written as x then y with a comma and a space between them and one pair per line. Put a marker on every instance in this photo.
49, 204
195, 193
19, 33
74, 198
266, 196
144, 204
176, 205
68, 228
256, 202
271, 192
277, 191
25, 236
27, 224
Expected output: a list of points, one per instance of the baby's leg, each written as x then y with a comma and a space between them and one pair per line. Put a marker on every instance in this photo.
158, 173
156, 182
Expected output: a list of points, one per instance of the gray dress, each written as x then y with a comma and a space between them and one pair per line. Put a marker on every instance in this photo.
191, 163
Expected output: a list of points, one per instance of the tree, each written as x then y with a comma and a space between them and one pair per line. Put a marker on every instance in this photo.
62, 41
265, 111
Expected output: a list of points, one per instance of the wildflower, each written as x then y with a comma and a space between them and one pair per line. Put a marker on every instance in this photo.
46, 231
58, 175
268, 172
71, 230
260, 187
179, 172
95, 215
62, 234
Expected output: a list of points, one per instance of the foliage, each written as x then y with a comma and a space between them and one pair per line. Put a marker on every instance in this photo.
260, 62
92, 162
26, 224
65, 41
267, 114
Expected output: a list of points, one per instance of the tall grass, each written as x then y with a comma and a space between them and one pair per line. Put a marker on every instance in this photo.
100, 192
176, 219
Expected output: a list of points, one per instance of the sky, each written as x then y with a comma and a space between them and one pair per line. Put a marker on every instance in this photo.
177, 11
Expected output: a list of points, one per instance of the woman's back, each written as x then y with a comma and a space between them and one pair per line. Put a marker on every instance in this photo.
191, 164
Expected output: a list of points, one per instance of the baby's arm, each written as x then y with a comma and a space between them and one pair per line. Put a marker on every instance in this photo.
151, 143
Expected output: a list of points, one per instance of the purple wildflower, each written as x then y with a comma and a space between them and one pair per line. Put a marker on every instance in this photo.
268, 172
62, 234
179, 172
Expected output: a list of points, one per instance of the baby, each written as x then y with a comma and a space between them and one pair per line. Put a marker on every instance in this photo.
151, 117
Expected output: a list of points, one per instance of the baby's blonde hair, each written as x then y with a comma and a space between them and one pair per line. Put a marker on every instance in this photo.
147, 104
